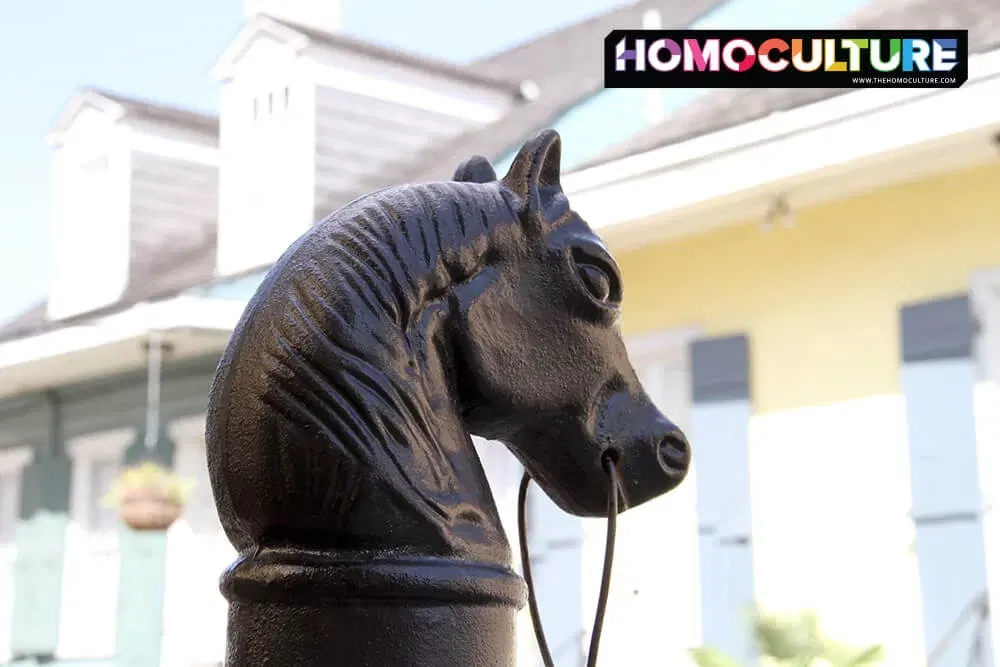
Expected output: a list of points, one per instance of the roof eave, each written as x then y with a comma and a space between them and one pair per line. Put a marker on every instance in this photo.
255, 28
83, 99
107, 345
892, 136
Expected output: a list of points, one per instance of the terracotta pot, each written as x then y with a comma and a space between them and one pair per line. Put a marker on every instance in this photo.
148, 508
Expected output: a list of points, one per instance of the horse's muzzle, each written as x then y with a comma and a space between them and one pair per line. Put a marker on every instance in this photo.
652, 464
651, 455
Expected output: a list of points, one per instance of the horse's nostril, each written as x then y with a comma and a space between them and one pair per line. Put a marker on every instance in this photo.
674, 452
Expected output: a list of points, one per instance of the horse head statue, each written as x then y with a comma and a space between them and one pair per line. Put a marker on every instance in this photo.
339, 419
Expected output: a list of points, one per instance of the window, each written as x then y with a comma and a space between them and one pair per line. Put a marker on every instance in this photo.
12, 462
198, 553
658, 536
503, 472
91, 566
96, 463
286, 97
985, 293
10, 503
101, 518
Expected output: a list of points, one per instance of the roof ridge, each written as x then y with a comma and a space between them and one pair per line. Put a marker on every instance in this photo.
726, 108
533, 42
405, 57
137, 101
566, 78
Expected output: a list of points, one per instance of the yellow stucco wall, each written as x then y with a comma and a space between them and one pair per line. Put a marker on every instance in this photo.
820, 300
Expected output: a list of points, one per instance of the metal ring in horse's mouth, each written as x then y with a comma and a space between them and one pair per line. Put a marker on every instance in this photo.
609, 459
610, 455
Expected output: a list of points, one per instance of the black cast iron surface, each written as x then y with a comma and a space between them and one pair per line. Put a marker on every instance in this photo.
339, 418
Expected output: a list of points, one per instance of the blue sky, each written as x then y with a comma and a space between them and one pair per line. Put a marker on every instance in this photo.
163, 51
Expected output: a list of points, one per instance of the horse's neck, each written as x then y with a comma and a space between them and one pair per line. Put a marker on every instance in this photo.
440, 464
449, 469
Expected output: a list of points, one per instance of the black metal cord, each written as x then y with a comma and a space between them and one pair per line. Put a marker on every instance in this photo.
609, 554
522, 536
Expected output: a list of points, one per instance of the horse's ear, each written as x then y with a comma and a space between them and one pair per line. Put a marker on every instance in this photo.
475, 169
534, 174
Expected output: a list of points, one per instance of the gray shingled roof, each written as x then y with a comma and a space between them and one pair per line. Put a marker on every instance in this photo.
202, 123
29, 321
174, 268
177, 265
566, 65
168, 273
189, 258
409, 60
727, 108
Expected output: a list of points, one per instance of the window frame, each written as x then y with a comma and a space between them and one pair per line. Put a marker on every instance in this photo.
84, 548
984, 296
13, 461
184, 540
86, 452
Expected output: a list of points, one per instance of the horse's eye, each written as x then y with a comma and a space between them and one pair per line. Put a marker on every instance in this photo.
597, 281
597, 274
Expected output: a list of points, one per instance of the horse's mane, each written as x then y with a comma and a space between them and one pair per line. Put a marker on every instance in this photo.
333, 359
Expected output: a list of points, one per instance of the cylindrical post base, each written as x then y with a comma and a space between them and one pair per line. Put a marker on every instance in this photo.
371, 635
285, 611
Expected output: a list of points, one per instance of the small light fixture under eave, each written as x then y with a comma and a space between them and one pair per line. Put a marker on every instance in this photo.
778, 212
530, 91
156, 348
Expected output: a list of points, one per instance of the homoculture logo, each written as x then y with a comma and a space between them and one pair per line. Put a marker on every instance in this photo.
786, 59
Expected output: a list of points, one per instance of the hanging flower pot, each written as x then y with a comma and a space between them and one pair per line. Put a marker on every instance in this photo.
149, 497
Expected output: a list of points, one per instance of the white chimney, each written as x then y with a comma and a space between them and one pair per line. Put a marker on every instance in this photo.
323, 15
90, 208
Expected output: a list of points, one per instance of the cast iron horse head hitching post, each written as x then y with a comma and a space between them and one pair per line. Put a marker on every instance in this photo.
339, 418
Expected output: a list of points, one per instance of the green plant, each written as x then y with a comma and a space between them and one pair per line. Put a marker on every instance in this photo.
152, 477
706, 656
794, 641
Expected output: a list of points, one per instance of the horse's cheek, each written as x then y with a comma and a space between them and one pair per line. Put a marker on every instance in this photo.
489, 331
